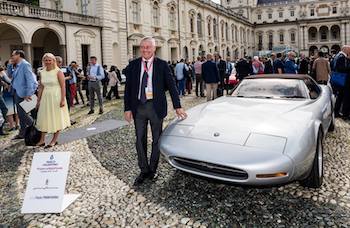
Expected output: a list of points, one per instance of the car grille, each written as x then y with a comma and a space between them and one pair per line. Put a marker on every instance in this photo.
211, 169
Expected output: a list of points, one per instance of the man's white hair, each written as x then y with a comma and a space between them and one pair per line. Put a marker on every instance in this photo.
149, 39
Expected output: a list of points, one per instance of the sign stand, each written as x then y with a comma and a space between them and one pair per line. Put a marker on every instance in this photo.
46, 184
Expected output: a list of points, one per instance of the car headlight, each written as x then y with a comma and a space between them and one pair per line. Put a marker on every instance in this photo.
177, 130
269, 143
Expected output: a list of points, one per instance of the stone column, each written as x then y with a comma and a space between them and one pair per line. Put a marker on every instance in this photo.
343, 31
347, 31
301, 38
28, 52
306, 35
63, 54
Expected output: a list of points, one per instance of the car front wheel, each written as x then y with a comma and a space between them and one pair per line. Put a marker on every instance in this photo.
315, 178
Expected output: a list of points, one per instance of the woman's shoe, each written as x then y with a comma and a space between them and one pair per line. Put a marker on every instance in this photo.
41, 145
50, 145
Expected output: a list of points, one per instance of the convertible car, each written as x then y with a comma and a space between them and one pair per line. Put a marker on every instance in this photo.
269, 131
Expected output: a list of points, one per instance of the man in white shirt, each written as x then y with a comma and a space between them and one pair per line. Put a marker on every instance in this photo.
95, 75
180, 77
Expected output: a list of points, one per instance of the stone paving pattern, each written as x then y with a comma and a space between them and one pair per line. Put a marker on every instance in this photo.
103, 168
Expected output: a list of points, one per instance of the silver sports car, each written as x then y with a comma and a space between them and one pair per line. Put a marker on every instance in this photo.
269, 131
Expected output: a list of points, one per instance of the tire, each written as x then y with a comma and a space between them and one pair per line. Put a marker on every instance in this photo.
332, 125
315, 178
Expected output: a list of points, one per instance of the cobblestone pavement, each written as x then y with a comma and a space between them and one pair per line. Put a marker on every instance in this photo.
103, 168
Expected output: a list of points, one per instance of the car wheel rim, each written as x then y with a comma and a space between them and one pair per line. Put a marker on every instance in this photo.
320, 158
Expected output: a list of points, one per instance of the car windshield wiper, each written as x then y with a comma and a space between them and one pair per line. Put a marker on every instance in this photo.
268, 97
293, 97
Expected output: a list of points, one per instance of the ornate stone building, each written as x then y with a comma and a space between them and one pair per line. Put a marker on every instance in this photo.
112, 29
302, 25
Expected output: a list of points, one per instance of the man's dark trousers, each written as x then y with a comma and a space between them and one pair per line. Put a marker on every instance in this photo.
146, 113
199, 85
3, 110
24, 119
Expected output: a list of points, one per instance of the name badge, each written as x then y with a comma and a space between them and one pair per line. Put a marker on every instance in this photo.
149, 93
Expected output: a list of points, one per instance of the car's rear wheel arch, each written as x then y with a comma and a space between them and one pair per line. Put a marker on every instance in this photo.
315, 177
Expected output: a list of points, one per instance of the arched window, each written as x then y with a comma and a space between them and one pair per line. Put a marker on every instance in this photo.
209, 26
191, 24
172, 18
233, 32
215, 29
324, 33
335, 31
226, 31
156, 14
312, 34
236, 33
222, 30
199, 25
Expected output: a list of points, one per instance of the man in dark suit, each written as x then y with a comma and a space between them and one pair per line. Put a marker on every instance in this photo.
210, 75
243, 68
222, 66
342, 65
147, 79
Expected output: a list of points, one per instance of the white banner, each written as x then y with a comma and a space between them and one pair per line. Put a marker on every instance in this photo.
46, 184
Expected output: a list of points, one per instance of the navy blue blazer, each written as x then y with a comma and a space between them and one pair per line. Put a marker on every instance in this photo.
210, 73
162, 81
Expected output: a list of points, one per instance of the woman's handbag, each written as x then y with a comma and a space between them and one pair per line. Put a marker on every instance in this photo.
32, 135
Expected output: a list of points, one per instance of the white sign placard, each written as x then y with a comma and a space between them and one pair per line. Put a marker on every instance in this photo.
46, 184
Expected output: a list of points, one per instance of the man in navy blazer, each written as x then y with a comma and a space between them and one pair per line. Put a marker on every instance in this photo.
210, 75
147, 80
24, 85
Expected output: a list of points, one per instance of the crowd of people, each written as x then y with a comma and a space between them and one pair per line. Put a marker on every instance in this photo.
210, 75
55, 89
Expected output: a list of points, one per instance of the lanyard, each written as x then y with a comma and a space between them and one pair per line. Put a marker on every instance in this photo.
145, 68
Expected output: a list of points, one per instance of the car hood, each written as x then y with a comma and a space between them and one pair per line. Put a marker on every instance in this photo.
233, 120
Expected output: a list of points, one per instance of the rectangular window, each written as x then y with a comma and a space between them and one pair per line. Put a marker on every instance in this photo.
280, 14
260, 42
292, 13
135, 12
270, 15
270, 41
334, 10
292, 37
155, 16
281, 38
259, 16
84, 6
172, 19
312, 12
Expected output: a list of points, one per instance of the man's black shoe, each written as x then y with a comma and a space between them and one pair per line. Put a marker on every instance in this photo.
101, 111
91, 112
140, 179
18, 137
153, 175
337, 115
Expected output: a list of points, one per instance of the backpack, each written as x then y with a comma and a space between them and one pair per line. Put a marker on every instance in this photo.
185, 72
105, 80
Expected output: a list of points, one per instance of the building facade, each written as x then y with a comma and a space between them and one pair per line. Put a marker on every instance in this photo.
112, 29
302, 25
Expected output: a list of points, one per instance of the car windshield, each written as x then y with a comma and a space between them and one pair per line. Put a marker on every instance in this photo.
271, 88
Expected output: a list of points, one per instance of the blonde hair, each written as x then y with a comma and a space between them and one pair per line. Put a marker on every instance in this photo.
51, 56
